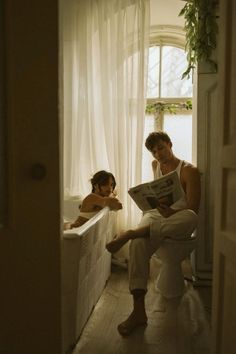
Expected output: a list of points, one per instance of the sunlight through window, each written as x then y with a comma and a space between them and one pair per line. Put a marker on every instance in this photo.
173, 96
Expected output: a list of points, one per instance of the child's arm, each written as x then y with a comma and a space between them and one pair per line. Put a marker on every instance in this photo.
96, 200
88, 206
113, 203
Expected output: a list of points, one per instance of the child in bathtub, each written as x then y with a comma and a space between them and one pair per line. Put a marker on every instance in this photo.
102, 195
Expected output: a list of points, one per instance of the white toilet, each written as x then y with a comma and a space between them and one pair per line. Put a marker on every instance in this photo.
170, 281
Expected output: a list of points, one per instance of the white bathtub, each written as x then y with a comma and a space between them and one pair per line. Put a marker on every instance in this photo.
86, 267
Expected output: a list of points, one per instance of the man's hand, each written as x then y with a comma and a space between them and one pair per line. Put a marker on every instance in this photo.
165, 211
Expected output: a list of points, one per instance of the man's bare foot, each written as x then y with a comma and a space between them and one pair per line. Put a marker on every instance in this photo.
114, 245
133, 321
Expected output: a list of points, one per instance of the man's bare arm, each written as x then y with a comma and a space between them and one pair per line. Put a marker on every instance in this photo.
191, 178
192, 186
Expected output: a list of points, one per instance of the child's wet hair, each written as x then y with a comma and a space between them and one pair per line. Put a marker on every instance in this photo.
101, 178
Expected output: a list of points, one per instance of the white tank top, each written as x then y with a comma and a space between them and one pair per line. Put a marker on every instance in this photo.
181, 203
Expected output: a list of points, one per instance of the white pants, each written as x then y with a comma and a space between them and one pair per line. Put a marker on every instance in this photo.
178, 226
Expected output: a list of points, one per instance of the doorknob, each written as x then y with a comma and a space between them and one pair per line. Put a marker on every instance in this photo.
38, 171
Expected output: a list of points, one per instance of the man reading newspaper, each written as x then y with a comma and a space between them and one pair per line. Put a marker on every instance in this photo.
165, 190
176, 221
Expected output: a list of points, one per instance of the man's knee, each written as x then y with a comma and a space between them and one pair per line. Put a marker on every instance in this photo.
191, 217
180, 224
189, 220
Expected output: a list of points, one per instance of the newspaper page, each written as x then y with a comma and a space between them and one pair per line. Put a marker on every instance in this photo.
164, 190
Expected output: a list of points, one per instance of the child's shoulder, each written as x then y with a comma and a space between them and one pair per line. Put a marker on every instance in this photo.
90, 199
87, 202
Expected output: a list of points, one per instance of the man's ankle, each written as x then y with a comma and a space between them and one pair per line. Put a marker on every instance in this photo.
138, 294
132, 234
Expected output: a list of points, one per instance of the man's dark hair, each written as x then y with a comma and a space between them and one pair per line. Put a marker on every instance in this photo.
101, 178
154, 138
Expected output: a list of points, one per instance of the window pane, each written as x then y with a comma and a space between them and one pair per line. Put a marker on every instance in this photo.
174, 63
179, 127
153, 72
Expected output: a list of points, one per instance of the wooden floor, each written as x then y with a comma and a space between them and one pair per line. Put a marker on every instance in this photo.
177, 326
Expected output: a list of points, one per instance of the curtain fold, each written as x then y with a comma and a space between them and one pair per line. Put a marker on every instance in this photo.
105, 54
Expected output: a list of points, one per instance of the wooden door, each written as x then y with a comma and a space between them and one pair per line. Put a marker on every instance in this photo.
30, 300
224, 284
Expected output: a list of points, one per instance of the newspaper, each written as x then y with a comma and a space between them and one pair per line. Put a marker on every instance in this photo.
164, 190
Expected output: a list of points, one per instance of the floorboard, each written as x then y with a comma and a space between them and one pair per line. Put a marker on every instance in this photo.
177, 326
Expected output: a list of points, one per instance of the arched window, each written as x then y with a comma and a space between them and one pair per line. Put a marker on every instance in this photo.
169, 102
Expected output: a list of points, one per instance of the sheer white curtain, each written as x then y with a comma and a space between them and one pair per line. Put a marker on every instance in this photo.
105, 70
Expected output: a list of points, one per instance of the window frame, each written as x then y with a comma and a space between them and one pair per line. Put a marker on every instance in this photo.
172, 36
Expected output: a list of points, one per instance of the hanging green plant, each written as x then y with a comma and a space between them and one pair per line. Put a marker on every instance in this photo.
172, 108
201, 31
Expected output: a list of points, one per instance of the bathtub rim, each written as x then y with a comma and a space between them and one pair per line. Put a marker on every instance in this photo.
83, 229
